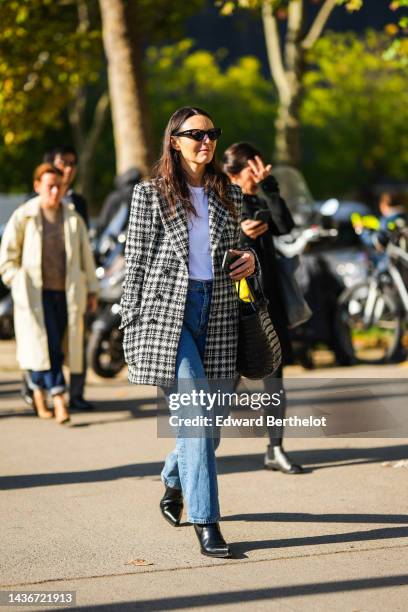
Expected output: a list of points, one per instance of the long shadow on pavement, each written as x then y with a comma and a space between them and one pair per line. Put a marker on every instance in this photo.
307, 517
227, 465
383, 533
251, 595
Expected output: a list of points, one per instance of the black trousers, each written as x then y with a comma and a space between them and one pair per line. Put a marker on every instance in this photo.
274, 384
77, 381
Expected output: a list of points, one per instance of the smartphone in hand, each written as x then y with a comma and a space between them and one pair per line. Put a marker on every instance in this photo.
229, 258
263, 215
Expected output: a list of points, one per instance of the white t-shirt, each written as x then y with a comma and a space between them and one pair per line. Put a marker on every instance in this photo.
199, 258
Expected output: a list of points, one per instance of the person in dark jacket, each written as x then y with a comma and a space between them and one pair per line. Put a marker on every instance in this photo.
65, 158
244, 166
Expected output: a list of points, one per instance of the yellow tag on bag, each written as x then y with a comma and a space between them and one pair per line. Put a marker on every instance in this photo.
243, 290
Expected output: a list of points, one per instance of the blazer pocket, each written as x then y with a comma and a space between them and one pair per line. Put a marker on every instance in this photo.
128, 316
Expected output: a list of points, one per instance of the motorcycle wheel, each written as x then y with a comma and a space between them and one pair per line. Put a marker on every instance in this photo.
105, 352
379, 342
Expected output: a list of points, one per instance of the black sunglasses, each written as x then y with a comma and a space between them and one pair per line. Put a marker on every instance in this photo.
199, 135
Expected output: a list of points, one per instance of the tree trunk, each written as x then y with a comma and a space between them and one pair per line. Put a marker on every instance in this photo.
123, 48
287, 138
287, 71
288, 145
86, 141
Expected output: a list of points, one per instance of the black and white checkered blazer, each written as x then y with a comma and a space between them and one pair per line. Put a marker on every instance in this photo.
156, 282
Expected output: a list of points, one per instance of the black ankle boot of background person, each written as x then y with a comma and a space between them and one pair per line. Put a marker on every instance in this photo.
76, 393
211, 541
80, 404
276, 459
171, 506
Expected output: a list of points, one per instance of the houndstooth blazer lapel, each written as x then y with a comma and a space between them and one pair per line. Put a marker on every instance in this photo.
176, 228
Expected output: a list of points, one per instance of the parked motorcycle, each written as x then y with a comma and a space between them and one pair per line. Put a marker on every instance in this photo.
105, 352
372, 315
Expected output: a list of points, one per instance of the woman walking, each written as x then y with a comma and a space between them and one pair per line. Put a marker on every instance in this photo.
46, 259
179, 307
244, 166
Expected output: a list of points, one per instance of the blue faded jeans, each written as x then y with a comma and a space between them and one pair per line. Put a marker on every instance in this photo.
191, 466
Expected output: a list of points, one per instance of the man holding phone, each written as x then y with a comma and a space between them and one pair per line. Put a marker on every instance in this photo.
265, 215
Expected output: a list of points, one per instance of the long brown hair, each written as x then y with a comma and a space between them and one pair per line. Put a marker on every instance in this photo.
171, 179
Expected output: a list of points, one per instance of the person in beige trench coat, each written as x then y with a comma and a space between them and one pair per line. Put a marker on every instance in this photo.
21, 268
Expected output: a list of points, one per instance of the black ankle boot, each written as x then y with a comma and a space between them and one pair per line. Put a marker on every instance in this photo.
211, 541
276, 459
171, 506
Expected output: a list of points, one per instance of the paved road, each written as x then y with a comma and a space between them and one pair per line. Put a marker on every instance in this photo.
79, 512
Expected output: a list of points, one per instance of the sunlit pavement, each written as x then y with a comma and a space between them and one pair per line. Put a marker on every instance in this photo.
79, 511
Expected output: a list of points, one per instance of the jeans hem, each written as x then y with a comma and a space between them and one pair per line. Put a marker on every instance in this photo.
172, 486
202, 521
57, 390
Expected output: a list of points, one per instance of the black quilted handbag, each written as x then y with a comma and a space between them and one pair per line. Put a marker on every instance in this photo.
259, 349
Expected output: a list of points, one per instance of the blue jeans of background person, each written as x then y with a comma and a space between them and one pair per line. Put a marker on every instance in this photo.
191, 466
55, 319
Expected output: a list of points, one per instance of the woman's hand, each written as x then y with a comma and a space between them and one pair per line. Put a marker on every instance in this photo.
259, 170
253, 228
242, 267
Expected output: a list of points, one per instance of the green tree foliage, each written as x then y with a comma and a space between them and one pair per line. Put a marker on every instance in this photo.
354, 114
49, 49
51, 67
398, 50
287, 50
239, 98
160, 20
45, 57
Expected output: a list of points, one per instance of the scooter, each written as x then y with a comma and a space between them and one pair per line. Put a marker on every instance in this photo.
105, 351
